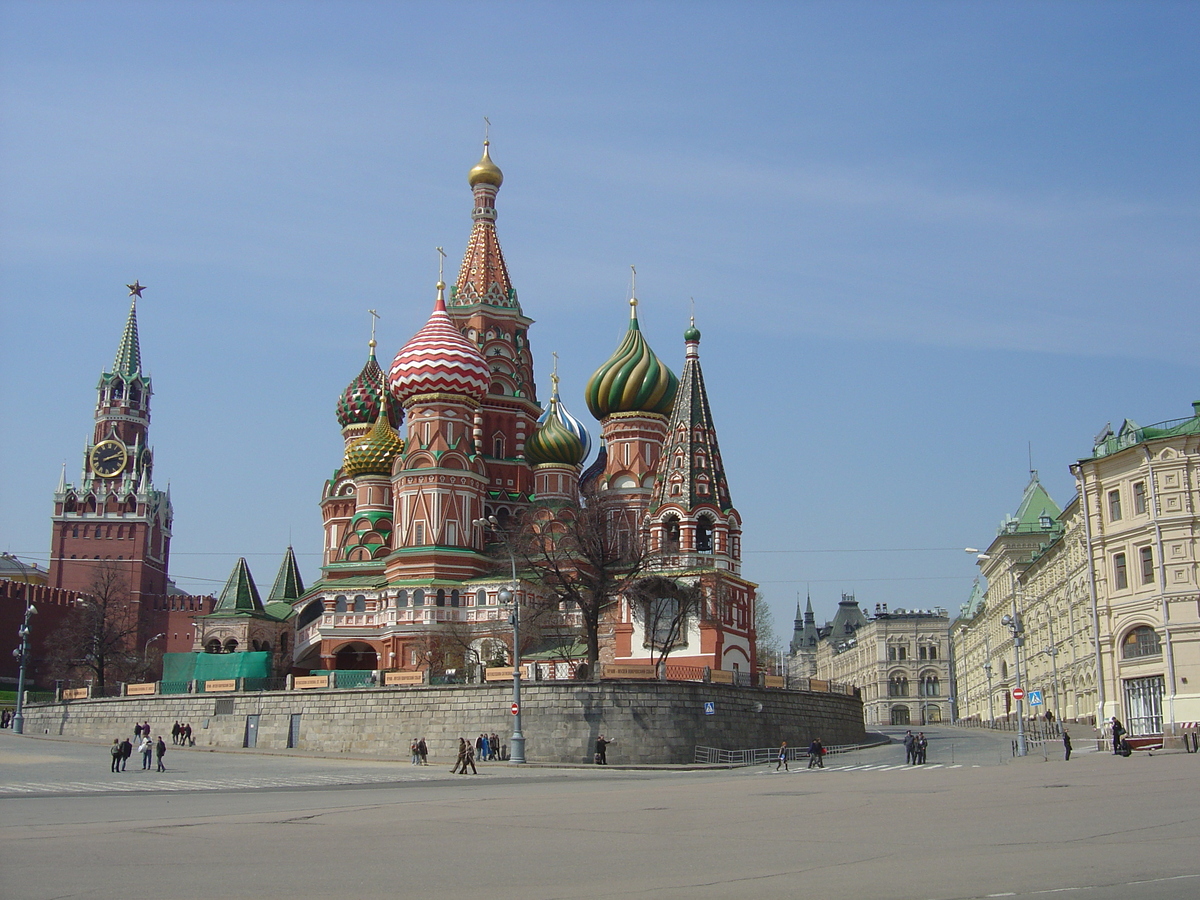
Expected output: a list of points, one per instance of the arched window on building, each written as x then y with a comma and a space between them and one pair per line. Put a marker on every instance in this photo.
671, 534
339, 603
704, 530
418, 597
360, 603
401, 599
1142, 641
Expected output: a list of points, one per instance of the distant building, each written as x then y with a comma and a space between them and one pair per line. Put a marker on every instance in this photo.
900, 660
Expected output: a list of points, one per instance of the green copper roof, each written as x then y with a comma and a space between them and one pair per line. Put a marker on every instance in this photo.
129, 353
1132, 434
288, 584
240, 594
1037, 512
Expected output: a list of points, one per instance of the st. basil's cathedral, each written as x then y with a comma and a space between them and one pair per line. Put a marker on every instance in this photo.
450, 435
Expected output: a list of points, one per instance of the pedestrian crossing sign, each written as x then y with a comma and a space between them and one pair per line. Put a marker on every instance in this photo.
1035, 698
710, 708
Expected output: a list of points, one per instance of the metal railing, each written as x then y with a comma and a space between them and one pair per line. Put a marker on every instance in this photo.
762, 755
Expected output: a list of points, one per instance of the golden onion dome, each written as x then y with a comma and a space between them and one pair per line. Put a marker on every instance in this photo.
485, 171
372, 454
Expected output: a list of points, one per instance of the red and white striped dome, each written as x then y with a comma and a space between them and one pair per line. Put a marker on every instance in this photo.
439, 360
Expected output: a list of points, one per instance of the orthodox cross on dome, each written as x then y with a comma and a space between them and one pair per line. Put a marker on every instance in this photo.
374, 319
441, 264
554, 374
487, 129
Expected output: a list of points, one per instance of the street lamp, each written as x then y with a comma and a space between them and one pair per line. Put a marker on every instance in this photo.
1052, 652
146, 651
506, 596
22, 655
1017, 629
987, 669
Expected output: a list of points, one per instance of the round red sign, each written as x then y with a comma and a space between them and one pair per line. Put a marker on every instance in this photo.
516, 709
1018, 693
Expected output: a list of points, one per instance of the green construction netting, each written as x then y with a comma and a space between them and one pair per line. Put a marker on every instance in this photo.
215, 666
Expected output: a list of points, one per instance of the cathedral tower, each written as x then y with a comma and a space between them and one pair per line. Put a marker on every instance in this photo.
484, 307
631, 395
115, 514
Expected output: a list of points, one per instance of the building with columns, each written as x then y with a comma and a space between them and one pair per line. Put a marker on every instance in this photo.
1104, 590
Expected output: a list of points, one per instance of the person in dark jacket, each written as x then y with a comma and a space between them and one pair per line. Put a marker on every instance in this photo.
115, 752
126, 752
816, 754
160, 750
1066, 745
1118, 731
602, 751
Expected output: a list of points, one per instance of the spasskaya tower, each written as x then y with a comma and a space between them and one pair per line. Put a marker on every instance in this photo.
115, 519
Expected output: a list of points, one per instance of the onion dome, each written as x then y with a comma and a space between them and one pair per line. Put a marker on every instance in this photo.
633, 379
372, 454
692, 335
485, 171
559, 436
359, 403
439, 360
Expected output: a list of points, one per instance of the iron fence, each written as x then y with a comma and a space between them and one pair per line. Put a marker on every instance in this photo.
761, 755
174, 687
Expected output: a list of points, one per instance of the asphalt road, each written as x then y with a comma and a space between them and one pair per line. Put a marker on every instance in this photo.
972, 823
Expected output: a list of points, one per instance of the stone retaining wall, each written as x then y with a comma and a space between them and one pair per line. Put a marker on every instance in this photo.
652, 722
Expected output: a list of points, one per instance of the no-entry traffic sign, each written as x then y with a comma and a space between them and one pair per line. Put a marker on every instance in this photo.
1018, 693
515, 709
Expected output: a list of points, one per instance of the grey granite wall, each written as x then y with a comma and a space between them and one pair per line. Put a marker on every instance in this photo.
652, 723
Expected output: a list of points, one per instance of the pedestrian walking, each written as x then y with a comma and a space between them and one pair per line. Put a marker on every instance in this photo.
147, 749
423, 749
137, 731
126, 752
1066, 746
415, 750
485, 752
187, 735
160, 750
783, 761
909, 743
495, 742
176, 733
115, 752
920, 746
816, 754
461, 761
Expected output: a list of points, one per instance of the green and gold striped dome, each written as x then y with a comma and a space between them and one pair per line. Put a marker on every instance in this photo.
633, 379
372, 454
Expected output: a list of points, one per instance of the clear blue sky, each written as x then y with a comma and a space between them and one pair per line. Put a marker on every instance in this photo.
921, 237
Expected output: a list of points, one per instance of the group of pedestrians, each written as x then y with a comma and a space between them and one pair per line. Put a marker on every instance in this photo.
122, 749
915, 746
420, 752
6, 717
466, 757
487, 747
181, 735
816, 756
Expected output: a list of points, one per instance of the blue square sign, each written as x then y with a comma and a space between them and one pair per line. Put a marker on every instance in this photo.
710, 708
1035, 698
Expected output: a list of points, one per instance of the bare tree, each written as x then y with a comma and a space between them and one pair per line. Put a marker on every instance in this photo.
766, 642
666, 607
582, 558
99, 637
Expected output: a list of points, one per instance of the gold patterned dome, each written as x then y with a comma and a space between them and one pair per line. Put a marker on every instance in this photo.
485, 171
372, 454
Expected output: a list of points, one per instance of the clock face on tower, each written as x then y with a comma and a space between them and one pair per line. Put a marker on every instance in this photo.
108, 458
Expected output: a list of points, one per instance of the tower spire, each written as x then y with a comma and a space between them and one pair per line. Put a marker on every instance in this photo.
129, 353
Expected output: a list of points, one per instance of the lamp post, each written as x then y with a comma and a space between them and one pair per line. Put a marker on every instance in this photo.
146, 651
987, 669
22, 655
1017, 629
509, 595
1052, 652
